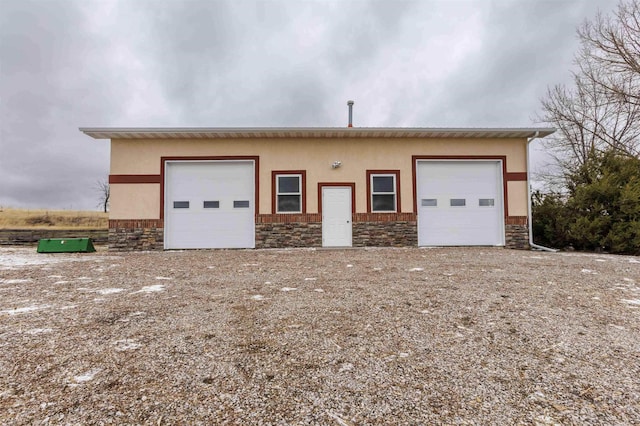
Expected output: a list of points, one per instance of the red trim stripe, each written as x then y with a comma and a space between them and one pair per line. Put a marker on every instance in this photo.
116, 179
516, 176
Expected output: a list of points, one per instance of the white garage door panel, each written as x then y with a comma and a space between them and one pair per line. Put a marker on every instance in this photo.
472, 224
225, 183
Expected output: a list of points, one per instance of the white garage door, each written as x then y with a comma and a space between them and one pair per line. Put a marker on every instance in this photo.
209, 204
460, 203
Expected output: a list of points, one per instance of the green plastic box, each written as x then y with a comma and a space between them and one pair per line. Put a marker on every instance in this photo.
66, 245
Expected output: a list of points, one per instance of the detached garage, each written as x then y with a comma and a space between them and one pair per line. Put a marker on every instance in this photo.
205, 188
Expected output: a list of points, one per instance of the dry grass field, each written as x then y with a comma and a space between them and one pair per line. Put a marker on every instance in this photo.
11, 218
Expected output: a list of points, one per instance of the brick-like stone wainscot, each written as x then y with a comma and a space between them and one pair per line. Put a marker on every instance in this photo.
283, 231
516, 232
385, 234
135, 235
281, 235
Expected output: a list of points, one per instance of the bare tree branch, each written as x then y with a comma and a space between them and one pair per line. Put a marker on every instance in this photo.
104, 191
600, 110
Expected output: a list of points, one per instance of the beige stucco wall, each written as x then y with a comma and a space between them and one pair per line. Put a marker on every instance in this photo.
517, 193
134, 201
131, 157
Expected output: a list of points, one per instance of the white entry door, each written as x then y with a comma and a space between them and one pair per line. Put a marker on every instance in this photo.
460, 203
336, 216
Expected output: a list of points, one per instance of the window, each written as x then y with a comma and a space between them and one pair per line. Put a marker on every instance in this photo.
211, 204
180, 204
457, 202
486, 202
288, 193
383, 191
241, 204
429, 202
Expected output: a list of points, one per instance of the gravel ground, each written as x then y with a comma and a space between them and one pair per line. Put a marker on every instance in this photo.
343, 337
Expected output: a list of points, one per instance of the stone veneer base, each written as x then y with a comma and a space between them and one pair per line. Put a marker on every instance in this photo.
283, 235
136, 235
517, 237
385, 234
273, 232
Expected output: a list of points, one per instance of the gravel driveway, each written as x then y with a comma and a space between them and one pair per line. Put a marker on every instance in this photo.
332, 337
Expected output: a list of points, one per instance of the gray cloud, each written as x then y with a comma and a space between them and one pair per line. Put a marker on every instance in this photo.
71, 63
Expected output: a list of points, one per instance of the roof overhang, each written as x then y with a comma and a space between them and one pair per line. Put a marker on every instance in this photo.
310, 132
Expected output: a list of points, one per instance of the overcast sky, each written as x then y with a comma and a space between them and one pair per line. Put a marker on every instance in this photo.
66, 64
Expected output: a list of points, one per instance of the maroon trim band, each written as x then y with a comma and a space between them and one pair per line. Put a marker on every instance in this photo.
115, 179
516, 176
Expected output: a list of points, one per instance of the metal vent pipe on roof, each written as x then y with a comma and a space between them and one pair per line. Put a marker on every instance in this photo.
350, 103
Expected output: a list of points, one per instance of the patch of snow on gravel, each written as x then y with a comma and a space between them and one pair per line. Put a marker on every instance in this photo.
416, 269
15, 281
288, 289
24, 310
257, 297
163, 278
61, 282
632, 301
35, 331
588, 271
15, 258
64, 308
318, 290
86, 377
150, 289
310, 279
634, 261
126, 345
110, 290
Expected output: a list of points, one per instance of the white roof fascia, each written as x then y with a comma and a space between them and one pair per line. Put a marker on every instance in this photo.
309, 132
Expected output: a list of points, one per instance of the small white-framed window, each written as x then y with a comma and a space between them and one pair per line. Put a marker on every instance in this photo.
289, 193
383, 193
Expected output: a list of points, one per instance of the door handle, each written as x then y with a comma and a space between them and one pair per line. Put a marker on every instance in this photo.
348, 221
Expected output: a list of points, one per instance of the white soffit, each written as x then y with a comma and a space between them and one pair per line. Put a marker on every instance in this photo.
311, 132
